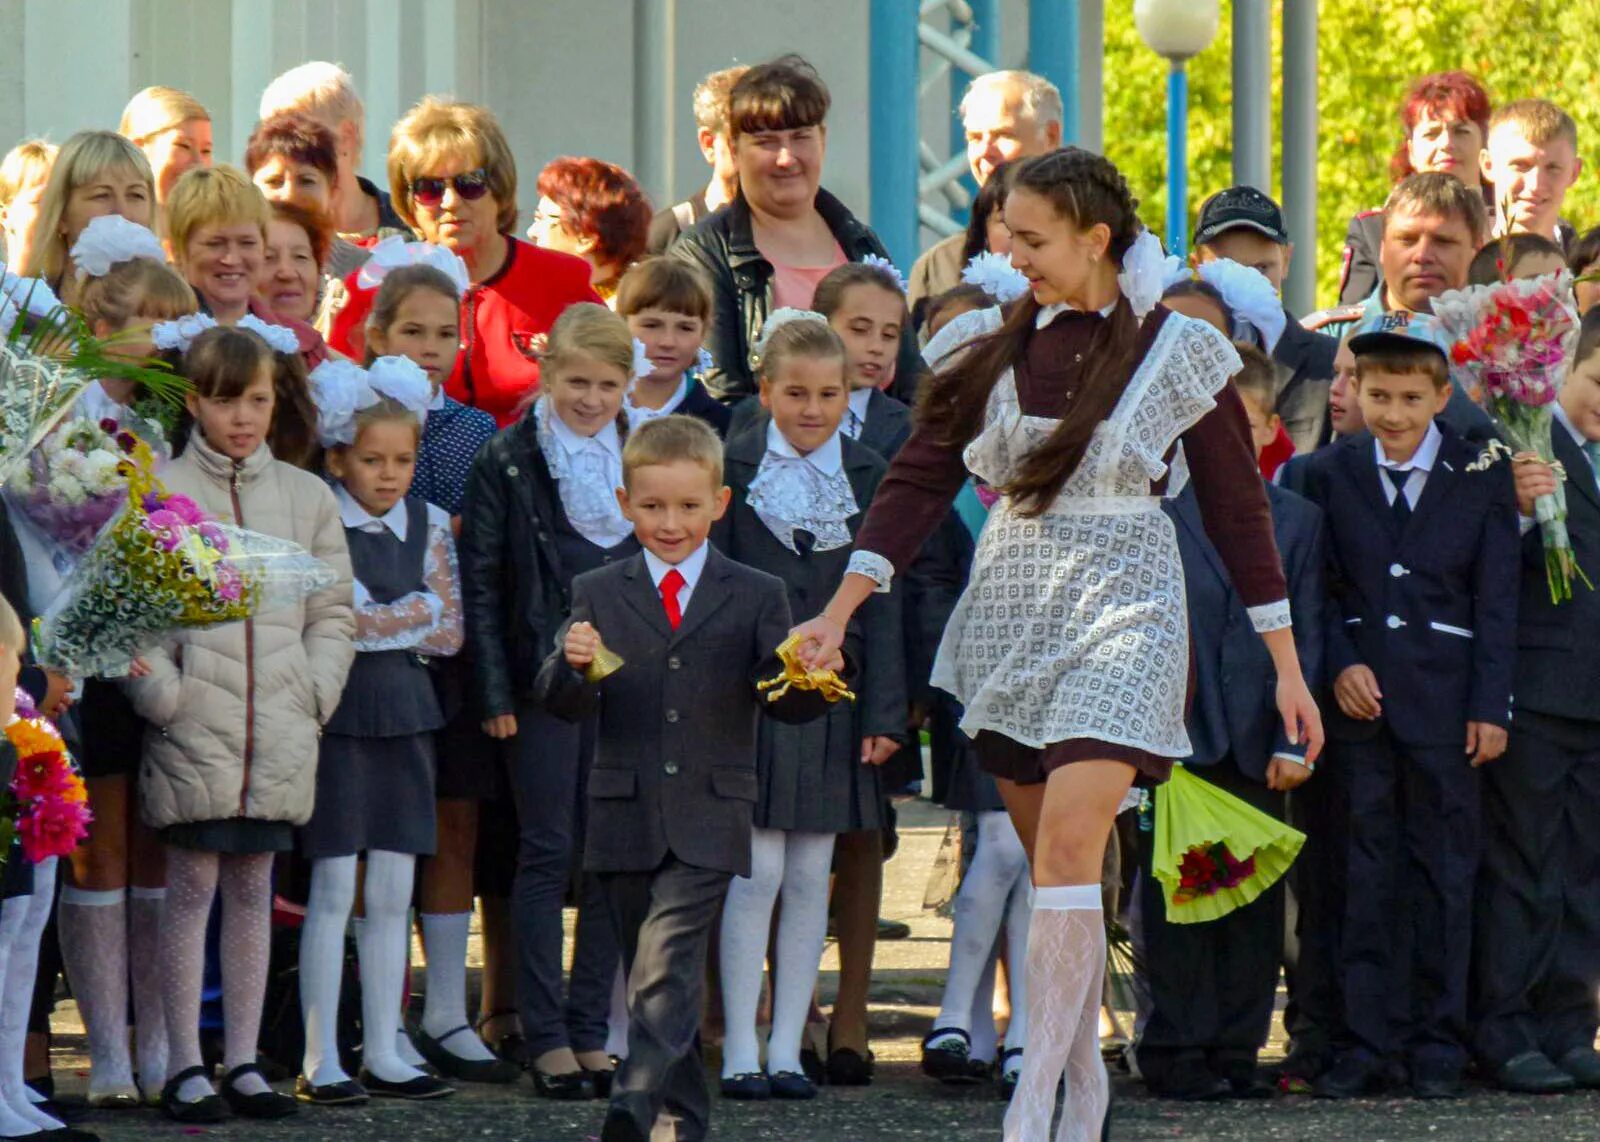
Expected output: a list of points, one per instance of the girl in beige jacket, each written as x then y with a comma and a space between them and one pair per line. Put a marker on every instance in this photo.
229, 764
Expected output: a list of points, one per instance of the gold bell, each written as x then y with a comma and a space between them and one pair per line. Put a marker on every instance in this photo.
605, 663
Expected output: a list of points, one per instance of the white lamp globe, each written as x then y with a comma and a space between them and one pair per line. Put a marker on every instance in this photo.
1177, 29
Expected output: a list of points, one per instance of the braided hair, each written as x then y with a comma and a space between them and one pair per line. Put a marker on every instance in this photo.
1085, 189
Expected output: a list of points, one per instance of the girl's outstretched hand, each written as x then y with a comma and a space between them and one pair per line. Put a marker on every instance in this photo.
821, 640
1302, 721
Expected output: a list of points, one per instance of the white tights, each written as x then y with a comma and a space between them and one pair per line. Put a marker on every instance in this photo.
796, 864
22, 921
382, 943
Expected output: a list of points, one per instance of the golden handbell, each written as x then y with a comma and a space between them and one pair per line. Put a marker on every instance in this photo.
826, 682
603, 665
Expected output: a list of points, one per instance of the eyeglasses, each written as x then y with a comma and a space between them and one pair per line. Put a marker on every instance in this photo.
470, 186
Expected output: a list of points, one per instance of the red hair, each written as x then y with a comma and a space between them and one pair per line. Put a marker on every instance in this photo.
295, 139
1444, 93
603, 202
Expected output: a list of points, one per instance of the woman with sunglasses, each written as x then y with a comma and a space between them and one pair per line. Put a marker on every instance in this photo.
455, 182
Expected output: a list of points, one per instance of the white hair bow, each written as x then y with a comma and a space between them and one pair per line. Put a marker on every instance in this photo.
180, 334
403, 381
280, 338
888, 269
996, 276
18, 295
339, 389
110, 240
1251, 297
778, 318
643, 366
1146, 270
394, 252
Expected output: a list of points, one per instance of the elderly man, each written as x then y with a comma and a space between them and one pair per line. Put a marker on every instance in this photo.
325, 92
1007, 115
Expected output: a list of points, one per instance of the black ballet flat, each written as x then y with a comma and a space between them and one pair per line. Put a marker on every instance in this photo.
452, 1066
792, 1086
601, 1079
419, 1089
267, 1104
204, 1111
346, 1093
1006, 1084
574, 1086
752, 1086
846, 1067
949, 1062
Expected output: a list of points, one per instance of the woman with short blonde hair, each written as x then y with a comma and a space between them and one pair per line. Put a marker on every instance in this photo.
95, 173
24, 173
173, 129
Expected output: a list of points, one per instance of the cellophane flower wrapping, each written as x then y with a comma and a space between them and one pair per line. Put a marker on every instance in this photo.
1513, 344
1213, 852
161, 566
77, 479
46, 807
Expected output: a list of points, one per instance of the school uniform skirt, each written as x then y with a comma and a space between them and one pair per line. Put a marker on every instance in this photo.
810, 777
372, 793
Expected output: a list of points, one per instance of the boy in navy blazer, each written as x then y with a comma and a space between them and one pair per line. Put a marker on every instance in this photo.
673, 786
1212, 985
1423, 557
1537, 973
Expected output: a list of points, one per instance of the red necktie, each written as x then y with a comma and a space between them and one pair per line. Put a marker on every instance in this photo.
671, 583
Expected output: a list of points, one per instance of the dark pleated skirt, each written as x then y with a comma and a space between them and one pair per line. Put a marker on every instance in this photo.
372, 793
811, 778
238, 836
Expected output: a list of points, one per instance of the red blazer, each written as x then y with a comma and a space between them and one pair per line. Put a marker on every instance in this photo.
501, 319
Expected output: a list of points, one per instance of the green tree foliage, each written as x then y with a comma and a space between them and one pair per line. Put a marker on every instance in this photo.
1369, 52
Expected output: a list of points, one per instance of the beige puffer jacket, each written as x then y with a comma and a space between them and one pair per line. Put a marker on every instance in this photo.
235, 711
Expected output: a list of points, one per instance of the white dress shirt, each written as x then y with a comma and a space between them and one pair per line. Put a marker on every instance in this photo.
690, 568
1420, 464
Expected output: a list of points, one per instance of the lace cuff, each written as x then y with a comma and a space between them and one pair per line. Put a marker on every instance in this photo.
400, 625
427, 622
1270, 616
873, 566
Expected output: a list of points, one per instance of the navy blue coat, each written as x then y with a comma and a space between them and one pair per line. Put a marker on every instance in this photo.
1432, 611
1233, 706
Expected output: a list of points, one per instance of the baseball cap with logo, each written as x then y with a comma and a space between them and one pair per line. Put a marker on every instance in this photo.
1240, 208
1399, 329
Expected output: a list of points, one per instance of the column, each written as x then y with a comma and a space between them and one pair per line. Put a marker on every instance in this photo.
893, 127
653, 67
1053, 53
1252, 94
1300, 151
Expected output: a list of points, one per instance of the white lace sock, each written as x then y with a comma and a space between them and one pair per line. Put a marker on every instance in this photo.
144, 962
444, 1006
246, 886
191, 886
985, 1035
746, 926
94, 948
802, 931
617, 1018
979, 907
1066, 959
333, 893
22, 969
382, 943
13, 917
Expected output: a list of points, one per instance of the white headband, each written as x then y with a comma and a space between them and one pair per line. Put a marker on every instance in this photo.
887, 269
394, 252
996, 276
342, 390
108, 241
180, 334
781, 317
281, 338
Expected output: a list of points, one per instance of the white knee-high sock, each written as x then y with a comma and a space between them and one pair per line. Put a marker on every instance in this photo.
333, 893
617, 1017
94, 948
144, 962
1019, 920
382, 943
981, 1027
13, 918
979, 907
802, 930
22, 968
444, 1006
746, 926
1066, 960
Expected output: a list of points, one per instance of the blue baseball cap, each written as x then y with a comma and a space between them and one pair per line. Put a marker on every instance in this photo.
1399, 329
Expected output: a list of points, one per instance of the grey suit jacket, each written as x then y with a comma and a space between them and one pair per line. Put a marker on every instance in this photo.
675, 765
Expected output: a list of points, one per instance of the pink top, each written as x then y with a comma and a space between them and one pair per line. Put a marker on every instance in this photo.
794, 286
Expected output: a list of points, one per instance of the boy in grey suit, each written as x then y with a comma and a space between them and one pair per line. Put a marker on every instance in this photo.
674, 778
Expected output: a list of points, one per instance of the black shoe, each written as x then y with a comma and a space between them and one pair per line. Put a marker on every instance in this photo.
1436, 1084
812, 1065
1250, 1087
264, 1104
450, 1065
419, 1089
1351, 1076
63, 1134
847, 1068
574, 1086
346, 1093
1533, 1073
601, 1080
792, 1085
752, 1086
950, 1061
1006, 1083
1583, 1064
202, 1111
893, 930
620, 1127
1183, 1076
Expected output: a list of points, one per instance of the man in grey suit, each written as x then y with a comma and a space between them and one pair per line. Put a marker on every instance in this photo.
673, 786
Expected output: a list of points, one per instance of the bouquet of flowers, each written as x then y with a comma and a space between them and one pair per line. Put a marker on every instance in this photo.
47, 359
1513, 345
1213, 852
76, 480
46, 806
163, 565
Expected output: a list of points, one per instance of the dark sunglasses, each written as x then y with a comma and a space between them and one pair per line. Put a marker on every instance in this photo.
470, 186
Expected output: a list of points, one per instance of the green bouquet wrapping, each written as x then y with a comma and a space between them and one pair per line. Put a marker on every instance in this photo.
1213, 852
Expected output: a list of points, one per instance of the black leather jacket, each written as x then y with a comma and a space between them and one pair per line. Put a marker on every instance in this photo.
724, 246
511, 581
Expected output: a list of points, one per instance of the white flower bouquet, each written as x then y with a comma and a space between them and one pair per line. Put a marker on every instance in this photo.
76, 480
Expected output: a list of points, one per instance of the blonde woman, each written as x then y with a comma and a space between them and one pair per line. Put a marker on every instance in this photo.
173, 129
95, 173
23, 174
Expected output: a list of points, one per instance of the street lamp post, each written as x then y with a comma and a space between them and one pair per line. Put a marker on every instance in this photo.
1177, 30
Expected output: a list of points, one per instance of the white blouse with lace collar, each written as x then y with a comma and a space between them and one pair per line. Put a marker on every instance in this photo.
588, 472
810, 493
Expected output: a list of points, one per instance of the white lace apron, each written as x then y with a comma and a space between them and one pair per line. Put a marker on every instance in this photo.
1074, 623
